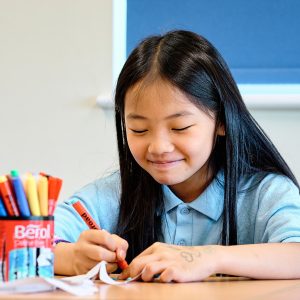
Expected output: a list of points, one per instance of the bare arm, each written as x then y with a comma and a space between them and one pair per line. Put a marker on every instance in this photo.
182, 263
261, 261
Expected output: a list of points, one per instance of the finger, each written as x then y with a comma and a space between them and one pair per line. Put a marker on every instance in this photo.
100, 237
153, 269
111, 267
121, 243
137, 266
171, 274
124, 274
98, 253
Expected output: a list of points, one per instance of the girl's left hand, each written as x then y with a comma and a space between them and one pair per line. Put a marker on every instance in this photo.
174, 263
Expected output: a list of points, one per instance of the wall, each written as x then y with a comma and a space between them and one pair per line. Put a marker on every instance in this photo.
283, 127
55, 58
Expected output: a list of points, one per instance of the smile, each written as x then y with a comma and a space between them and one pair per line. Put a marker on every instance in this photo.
165, 164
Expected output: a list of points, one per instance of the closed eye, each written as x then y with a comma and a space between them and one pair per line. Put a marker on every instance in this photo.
182, 129
138, 131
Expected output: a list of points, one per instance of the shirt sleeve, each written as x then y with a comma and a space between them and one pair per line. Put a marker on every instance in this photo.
278, 215
100, 198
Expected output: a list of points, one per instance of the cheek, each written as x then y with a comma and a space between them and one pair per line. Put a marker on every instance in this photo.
137, 148
199, 145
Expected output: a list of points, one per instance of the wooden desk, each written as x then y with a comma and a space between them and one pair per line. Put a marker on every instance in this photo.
213, 288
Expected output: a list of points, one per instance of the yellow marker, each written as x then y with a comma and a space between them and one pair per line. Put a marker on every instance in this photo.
24, 180
32, 195
43, 194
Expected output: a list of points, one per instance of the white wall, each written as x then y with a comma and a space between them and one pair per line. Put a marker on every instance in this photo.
283, 127
55, 59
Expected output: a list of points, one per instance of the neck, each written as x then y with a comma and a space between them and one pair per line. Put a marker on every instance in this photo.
193, 187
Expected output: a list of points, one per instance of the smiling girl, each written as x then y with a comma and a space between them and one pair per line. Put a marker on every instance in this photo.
201, 188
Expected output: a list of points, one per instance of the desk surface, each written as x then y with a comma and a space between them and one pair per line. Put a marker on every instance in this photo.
212, 288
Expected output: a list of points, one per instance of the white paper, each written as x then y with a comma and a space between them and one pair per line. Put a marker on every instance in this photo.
80, 285
39, 284
86, 288
26, 285
107, 279
100, 270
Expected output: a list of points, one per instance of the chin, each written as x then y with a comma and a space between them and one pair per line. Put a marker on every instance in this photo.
167, 181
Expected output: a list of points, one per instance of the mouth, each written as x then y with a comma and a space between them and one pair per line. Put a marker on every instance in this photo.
164, 164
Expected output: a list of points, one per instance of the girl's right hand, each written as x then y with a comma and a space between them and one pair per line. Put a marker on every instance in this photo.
94, 246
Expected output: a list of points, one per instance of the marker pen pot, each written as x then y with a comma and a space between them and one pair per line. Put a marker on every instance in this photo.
26, 247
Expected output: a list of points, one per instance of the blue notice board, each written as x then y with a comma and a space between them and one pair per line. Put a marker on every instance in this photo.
259, 39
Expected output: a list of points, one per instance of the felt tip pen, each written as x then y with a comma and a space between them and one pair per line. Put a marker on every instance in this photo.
32, 195
42, 186
8, 197
90, 222
54, 186
3, 212
20, 193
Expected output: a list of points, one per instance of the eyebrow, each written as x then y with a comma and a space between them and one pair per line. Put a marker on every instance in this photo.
134, 116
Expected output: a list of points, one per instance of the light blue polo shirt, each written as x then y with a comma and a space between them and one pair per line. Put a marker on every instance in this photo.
270, 212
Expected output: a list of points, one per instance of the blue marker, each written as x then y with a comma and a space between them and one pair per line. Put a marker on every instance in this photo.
20, 194
3, 212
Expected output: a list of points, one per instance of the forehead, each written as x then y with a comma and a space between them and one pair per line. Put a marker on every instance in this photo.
158, 95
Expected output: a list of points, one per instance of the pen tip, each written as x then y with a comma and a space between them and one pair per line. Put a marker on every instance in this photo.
72, 201
14, 173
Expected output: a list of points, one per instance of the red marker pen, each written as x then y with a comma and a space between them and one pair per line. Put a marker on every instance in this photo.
54, 186
90, 222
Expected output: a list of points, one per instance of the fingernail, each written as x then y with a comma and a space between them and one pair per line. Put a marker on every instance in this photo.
120, 254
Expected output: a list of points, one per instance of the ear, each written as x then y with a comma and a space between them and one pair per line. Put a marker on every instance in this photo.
221, 130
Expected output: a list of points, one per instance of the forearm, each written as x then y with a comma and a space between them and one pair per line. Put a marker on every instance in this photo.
261, 261
63, 262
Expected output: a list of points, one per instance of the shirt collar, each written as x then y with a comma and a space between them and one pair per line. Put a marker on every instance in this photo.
209, 203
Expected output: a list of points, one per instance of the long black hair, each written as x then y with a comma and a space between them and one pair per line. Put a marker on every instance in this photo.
191, 63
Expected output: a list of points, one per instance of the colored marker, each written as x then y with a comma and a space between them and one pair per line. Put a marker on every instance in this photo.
32, 195
43, 194
58, 187
20, 193
53, 192
88, 219
8, 198
3, 212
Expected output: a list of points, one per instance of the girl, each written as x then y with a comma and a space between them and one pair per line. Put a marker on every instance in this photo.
201, 189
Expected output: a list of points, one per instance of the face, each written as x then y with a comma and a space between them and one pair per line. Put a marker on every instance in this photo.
168, 136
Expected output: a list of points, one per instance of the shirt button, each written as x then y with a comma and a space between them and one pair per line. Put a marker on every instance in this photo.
181, 243
185, 211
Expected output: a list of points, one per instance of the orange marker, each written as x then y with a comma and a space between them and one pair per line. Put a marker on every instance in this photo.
90, 222
54, 186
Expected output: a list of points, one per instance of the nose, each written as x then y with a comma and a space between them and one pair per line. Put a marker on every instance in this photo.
160, 144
